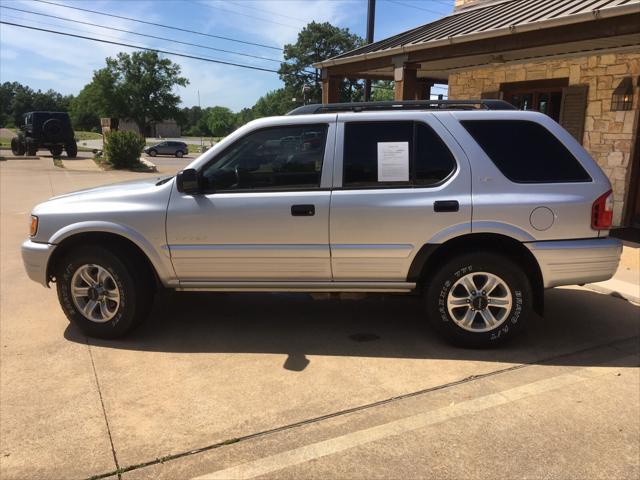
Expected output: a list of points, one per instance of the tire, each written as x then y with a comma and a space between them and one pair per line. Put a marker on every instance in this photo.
56, 151
72, 149
490, 319
179, 153
52, 129
17, 147
152, 153
125, 277
31, 147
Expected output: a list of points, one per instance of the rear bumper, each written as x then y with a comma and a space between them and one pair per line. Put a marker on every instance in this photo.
571, 262
35, 257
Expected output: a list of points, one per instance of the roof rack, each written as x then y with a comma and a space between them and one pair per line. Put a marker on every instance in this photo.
403, 105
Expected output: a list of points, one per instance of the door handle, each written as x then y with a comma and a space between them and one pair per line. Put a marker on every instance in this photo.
303, 210
446, 206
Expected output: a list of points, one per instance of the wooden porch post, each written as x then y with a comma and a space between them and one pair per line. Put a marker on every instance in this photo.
405, 77
330, 88
423, 90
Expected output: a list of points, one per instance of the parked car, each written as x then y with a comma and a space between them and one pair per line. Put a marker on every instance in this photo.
473, 205
177, 149
50, 130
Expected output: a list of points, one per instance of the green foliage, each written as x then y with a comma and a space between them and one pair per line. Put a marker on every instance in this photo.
221, 121
382, 90
123, 149
138, 86
276, 102
317, 42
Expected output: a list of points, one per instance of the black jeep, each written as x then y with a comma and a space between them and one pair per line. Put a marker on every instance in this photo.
50, 130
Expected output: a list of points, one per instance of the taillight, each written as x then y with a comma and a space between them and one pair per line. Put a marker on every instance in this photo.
602, 212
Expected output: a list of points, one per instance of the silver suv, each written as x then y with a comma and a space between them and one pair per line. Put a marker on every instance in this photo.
473, 205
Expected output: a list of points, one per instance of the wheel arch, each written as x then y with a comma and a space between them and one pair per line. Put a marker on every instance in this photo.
112, 241
431, 255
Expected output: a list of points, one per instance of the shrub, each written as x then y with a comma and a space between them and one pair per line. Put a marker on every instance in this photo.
123, 149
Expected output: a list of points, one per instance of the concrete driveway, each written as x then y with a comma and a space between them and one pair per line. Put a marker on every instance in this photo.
284, 386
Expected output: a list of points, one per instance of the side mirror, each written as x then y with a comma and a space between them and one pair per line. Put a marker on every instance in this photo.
188, 181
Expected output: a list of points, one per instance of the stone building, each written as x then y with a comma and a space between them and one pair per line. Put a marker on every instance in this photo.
578, 62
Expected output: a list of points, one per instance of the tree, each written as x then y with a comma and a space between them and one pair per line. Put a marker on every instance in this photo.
382, 90
275, 102
317, 42
221, 121
86, 109
138, 86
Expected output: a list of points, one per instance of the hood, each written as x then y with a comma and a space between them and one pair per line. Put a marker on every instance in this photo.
109, 198
116, 189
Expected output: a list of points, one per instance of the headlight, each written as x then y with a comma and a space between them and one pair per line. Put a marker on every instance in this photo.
34, 226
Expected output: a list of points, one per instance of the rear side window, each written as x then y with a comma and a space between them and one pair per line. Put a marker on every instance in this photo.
394, 154
526, 152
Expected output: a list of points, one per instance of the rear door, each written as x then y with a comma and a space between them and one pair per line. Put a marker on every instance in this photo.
399, 183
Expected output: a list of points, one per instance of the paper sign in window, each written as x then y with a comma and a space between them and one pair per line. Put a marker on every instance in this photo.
393, 161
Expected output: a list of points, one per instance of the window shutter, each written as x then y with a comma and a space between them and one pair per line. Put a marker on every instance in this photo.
491, 95
573, 110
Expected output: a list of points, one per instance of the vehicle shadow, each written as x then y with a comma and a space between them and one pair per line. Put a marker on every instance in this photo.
384, 326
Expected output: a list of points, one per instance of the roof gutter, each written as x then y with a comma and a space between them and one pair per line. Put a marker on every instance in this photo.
527, 27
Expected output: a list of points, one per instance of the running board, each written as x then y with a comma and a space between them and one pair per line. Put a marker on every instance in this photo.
296, 286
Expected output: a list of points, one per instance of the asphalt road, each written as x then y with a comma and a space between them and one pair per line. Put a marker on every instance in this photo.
284, 386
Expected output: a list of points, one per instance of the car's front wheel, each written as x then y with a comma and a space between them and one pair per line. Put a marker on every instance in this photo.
179, 154
479, 299
17, 147
101, 294
152, 153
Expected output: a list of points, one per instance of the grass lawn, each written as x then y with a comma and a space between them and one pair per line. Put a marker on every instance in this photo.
87, 136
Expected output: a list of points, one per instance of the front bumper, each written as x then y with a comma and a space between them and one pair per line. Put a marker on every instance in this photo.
35, 257
572, 262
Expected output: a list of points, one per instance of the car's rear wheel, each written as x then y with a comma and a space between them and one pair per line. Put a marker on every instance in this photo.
179, 154
102, 294
153, 153
479, 299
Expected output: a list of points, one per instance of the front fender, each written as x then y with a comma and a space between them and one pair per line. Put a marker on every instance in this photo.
158, 257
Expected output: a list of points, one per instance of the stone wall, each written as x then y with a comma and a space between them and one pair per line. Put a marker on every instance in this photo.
608, 136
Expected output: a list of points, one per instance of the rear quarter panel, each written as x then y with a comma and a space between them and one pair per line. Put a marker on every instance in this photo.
503, 206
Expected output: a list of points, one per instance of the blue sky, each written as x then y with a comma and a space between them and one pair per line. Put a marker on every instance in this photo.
45, 60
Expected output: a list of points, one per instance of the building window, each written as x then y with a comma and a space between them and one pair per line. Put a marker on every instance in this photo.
543, 96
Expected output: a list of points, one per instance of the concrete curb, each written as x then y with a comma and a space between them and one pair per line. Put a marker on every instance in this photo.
148, 165
617, 288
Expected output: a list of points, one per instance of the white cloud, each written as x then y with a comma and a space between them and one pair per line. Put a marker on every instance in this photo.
66, 64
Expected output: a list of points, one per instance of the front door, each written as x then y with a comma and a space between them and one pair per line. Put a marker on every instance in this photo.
398, 187
264, 213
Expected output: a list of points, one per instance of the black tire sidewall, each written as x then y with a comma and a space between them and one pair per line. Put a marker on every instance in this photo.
153, 153
179, 154
72, 149
126, 316
452, 271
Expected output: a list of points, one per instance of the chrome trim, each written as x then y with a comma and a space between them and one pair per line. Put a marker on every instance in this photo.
297, 286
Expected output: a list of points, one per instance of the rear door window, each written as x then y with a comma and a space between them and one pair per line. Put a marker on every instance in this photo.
526, 152
414, 155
